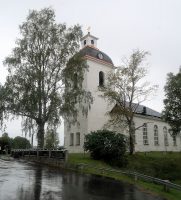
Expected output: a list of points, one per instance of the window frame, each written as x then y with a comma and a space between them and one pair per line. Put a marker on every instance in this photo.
71, 139
101, 79
174, 140
165, 133
145, 134
156, 135
77, 139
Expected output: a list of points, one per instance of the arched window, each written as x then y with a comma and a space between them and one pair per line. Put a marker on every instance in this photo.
84, 42
145, 134
156, 141
165, 133
92, 42
101, 79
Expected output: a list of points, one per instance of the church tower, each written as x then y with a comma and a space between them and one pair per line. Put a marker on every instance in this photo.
99, 65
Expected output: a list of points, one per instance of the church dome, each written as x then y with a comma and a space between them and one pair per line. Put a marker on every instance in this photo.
95, 53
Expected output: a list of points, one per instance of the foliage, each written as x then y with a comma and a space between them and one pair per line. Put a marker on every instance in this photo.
126, 90
158, 164
106, 145
172, 102
2, 106
20, 143
42, 65
51, 139
5, 142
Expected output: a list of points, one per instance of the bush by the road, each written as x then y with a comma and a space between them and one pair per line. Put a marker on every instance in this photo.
108, 146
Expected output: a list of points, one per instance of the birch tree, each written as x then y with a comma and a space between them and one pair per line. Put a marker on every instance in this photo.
44, 61
126, 90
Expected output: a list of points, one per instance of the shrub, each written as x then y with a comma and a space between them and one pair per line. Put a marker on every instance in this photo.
108, 146
21, 143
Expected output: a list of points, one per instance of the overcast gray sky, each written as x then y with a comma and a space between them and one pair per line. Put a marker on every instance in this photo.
120, 25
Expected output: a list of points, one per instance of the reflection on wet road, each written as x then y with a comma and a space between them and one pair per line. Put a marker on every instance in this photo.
26, 181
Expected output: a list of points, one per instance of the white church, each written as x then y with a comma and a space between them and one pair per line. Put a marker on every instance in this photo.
153, 134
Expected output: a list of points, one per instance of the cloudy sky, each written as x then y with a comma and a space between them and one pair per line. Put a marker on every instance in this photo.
120, 25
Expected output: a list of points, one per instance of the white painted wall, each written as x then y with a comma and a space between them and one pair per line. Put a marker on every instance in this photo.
139, 146
97, 118
88, 41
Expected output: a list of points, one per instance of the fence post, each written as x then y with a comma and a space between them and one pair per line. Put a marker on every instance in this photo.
165, 186
65, 156
37, 153
49, 154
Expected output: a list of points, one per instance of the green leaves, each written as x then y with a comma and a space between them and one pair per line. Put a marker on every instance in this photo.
20, 143
172, 102
106, 145
51, 139
125, 90
41, 68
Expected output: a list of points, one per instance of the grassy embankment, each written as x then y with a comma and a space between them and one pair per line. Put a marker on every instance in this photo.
160, 165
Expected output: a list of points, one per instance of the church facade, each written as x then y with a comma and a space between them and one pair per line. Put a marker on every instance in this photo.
153, 134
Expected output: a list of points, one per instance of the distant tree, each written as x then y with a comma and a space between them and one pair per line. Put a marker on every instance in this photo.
5, 135
2, 106
125, 89
21, 143
106, 145
5, 142
43, 63
51, 139
172, 102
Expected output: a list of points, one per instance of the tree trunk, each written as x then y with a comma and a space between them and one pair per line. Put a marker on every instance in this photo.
32, 137
131, 140
40, 135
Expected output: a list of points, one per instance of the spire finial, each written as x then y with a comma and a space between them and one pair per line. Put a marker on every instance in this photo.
88, 29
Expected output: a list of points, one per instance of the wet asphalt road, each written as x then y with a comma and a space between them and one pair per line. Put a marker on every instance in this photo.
27, 181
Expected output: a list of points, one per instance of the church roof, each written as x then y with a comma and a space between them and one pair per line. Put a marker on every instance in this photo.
95, 53
143, 110
88, 34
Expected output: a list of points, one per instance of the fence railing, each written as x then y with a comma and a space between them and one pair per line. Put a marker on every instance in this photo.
166, 183
59, 154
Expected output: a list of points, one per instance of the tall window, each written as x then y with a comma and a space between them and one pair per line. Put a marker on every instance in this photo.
145, 134
78, 139
174, 140
165, 136
84, 42
156, 141
71, 139
92, 42
101, 78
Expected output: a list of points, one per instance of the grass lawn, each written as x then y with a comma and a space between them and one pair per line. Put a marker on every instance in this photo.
160, 165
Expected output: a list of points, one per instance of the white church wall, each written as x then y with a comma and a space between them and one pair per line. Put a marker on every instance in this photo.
97, 115
151, 122
80, 128
76, 128
97, 118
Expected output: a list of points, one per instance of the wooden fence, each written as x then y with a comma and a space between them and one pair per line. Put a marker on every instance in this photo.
57, 154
